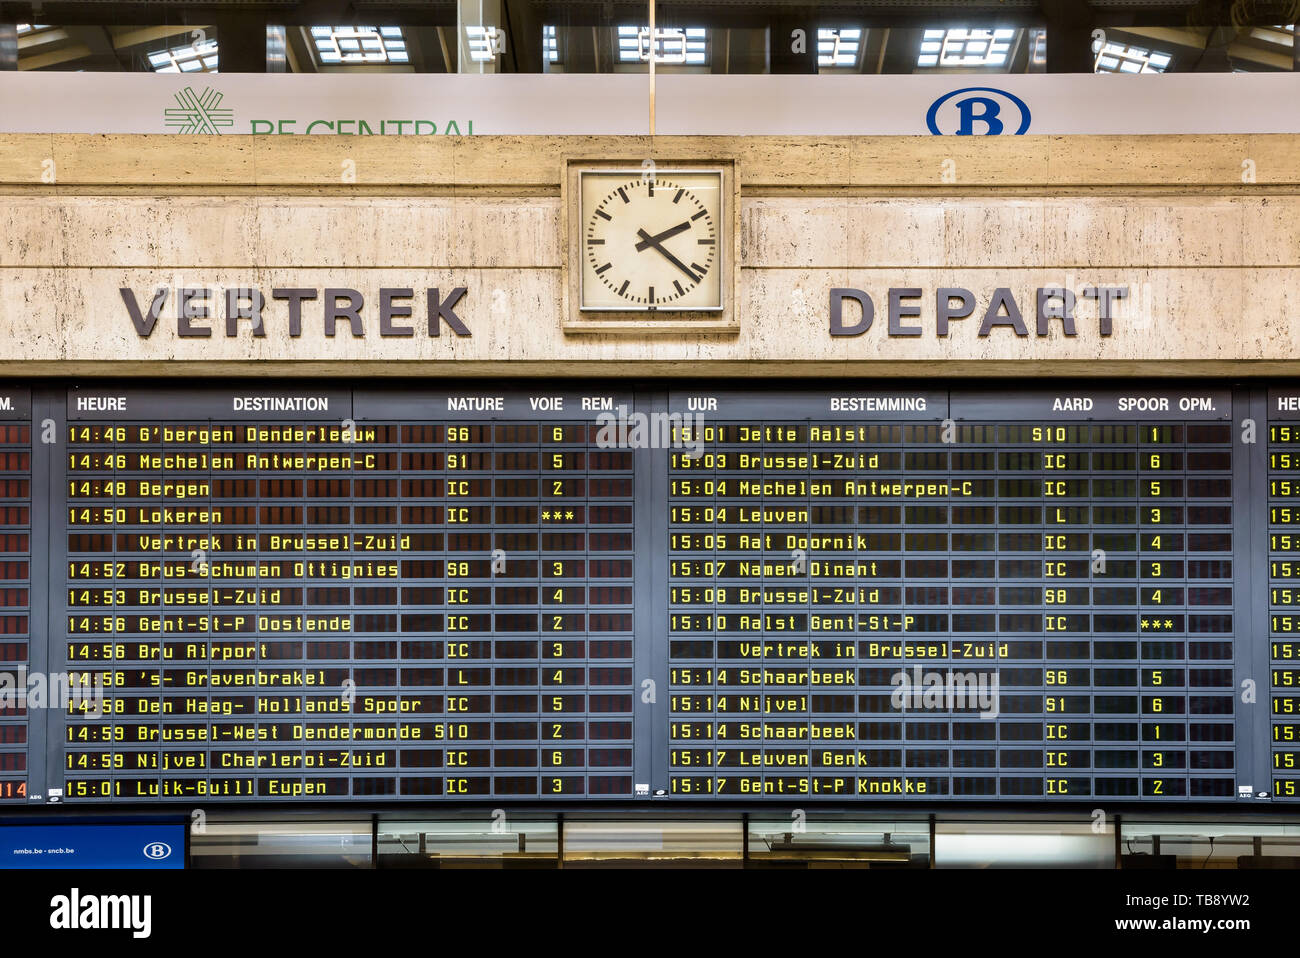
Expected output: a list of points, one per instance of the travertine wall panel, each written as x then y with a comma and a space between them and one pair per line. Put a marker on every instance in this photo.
513, 314
1203, 230
777, 232
767, 162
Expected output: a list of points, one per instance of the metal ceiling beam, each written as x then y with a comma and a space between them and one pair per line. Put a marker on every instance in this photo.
900, 54
242, 44
424, 49
1192, 38
446, 44
738, 16
103, 52
1273, 59
756, 13
52, 58
1069, 36
50, 48
430, 12
1018, 60
874, 45
523, 37
1275, 56
135, 36
578, 51
297, 49
37, 41
785, 53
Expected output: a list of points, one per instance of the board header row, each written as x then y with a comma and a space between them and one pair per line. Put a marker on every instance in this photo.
867, 403
845, 403
251, 403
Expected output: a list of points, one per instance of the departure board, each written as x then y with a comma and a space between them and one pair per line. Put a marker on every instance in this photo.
1284, 588
321, 595
16, 588
1054, 581
279, 592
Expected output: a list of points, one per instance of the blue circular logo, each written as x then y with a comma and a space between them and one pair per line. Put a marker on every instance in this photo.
977, 113
157, 850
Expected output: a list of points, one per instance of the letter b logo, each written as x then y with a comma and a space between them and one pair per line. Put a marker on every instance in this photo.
978, 111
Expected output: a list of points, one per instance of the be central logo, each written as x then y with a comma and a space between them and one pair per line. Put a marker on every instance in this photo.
978, 111
200, 111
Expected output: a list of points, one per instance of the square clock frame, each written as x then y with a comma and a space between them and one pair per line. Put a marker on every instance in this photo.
650, 249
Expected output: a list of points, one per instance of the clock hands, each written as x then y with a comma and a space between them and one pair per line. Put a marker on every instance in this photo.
654, 241
660, 237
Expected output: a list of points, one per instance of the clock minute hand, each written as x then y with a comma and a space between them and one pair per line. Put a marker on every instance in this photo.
653, 242
660, 237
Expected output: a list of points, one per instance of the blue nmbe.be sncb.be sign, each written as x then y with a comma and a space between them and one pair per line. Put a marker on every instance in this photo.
92, 846
978, 111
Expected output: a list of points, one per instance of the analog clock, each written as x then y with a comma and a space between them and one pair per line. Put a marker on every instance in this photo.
651, 241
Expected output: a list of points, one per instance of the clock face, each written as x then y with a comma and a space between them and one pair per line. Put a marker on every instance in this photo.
651, 243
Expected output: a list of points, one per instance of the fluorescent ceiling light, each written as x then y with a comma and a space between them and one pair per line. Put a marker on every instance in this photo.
963, 47
350, 46
839, 47
672, 45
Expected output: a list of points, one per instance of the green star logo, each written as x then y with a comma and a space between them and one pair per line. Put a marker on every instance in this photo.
198, 112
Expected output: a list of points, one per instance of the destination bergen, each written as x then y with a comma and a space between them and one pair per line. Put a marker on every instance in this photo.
196, 308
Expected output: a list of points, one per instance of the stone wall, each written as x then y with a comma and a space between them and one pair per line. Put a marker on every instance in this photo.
1204, 231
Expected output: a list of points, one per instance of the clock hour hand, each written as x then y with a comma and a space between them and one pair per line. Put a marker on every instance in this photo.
660, 237
648, 240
